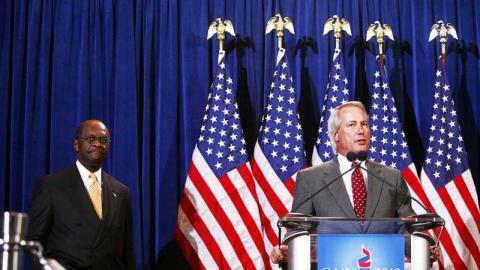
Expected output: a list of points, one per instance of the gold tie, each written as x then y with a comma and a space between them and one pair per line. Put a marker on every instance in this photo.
95, 195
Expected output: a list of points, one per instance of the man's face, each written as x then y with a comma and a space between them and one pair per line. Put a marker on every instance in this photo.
353, 134
92, 145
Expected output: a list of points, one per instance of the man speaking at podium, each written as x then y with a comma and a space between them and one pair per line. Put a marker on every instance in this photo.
356, 194
82, 215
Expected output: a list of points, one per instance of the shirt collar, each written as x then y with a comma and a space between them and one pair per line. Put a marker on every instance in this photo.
85, 173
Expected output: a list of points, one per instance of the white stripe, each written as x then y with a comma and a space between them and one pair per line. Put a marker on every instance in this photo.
195, 241
227, 205
463, 211
275, 183
467, 178
269, 213
252, 208
440, 209
272, 178
416, 207
210, 222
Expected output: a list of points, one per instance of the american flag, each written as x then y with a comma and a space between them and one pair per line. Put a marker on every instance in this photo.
388, 145
219, 225
279, 151
448, 182
337, 93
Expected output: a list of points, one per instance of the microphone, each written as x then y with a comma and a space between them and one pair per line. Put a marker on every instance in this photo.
351, 156
418, 225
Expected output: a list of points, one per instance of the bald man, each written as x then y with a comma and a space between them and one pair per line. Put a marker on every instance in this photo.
82, 215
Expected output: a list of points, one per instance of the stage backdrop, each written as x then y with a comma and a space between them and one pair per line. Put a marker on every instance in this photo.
144, 68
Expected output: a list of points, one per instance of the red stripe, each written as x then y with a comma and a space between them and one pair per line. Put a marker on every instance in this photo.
290, 184
449, 247
415, 185
188, 251
467, 198
246, 216
270, 194
412, 180
222, 218
463, 232
203, 232
266, 225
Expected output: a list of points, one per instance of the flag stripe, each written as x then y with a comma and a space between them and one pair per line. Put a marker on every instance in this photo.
412, 180
448, 242
449, 247
462, 230
211, 252
251, 225
268, 229
290, 185
270, 216
467, 198
220, 215
270, 194
190, 253
269, 202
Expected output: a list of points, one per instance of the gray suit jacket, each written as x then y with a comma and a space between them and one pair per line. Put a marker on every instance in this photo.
382, 200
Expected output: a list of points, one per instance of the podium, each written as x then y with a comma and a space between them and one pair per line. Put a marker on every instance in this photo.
350, 243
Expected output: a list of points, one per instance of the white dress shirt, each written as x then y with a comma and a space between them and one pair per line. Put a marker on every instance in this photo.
85, 174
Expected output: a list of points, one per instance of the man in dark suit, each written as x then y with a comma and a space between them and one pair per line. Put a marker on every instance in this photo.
354, 195
82, 215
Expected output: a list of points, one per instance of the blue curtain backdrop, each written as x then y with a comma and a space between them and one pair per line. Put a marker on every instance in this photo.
144, 68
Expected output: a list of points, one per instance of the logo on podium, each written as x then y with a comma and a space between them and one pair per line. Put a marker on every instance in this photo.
364, 262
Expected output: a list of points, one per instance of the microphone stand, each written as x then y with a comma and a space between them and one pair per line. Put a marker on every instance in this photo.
418, 226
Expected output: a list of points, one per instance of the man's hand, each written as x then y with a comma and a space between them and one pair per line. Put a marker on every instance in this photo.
279, 254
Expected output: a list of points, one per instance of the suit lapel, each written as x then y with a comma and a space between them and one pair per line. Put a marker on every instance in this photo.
338, 190
374, 190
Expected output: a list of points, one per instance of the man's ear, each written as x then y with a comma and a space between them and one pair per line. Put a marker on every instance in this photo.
335, 137
75, 145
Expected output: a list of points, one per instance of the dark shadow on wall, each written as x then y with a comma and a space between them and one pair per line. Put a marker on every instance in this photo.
398, 84
248, 119
361, 83
307, 107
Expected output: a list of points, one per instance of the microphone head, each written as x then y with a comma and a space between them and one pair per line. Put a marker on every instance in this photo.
362, 155
351, 156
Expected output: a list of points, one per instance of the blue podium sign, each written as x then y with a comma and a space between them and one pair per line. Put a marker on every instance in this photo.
360, 251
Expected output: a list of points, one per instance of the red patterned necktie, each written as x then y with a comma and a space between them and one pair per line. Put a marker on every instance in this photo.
359, 191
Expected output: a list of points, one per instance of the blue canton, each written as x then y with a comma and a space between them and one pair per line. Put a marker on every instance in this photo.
281, 136
337, 93
446, 157
221, 139
388, 145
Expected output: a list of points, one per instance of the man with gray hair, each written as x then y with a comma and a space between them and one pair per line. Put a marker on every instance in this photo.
354, 195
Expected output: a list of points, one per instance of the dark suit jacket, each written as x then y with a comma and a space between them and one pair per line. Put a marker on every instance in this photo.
382, 200
63, 219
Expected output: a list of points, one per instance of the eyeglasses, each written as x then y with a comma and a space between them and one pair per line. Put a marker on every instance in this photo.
92, 139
